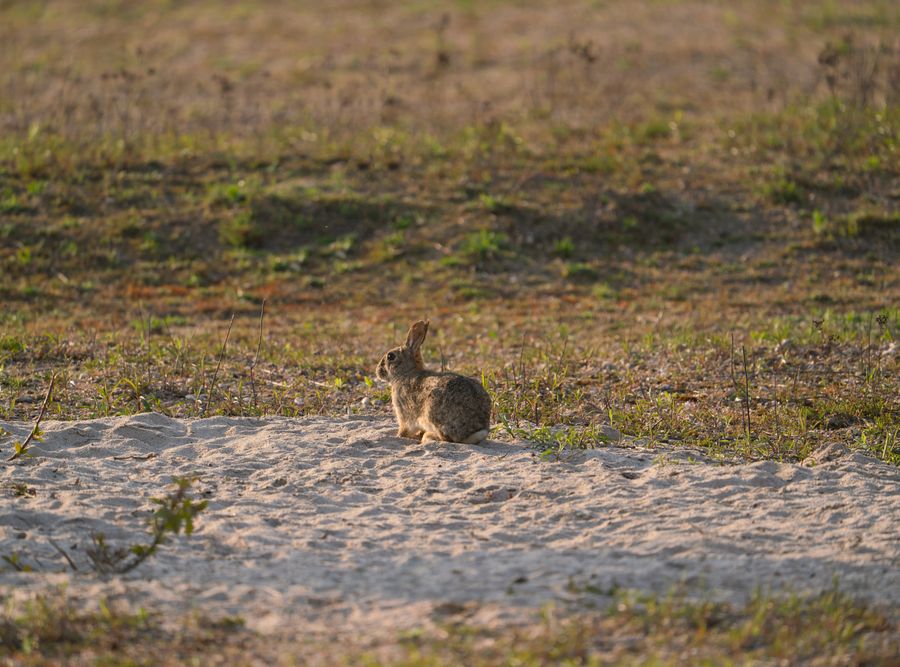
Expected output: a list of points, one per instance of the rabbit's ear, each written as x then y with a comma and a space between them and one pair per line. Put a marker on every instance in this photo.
416, 335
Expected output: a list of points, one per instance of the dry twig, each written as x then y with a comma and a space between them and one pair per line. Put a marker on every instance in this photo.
212, 386
262, 314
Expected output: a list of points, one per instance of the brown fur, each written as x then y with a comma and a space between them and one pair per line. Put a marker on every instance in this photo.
431, 405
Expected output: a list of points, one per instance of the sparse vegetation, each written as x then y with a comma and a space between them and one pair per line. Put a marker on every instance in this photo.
671, 630
830, 628
528, 227
53, 628
175, 514
20, 448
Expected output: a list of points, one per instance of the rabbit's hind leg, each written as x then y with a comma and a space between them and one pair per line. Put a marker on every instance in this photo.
433, 436
405, 432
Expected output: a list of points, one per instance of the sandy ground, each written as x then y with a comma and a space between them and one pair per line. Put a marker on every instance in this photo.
337, 525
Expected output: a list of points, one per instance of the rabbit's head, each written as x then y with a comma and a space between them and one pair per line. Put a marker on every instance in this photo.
406, 360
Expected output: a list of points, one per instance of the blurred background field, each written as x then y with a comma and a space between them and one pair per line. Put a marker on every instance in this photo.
602, 206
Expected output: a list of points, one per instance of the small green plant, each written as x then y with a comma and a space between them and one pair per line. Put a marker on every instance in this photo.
10, 204
630, 223
36, 187
23, 256
820, 224
16, 563
339, 248
20, 489
240, 231
783, 190
603, 291
553, 441
599, 164
20, 449
881, 436
484, 244
579, 271
495, 204
564, 247
11, 344
294, 262
175, 514
653, 130
232, 194
402, 222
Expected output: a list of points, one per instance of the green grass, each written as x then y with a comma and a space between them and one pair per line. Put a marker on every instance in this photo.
634, 629
830, 375
783, 190
52, 628
672, 631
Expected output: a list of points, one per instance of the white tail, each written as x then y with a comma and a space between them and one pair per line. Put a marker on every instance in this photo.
477, 437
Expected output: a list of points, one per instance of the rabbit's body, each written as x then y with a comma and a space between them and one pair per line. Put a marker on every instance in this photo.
430, 405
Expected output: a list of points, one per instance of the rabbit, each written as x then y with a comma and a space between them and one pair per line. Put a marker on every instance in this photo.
429, 405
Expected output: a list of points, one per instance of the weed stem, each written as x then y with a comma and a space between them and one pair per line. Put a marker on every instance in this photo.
20, 450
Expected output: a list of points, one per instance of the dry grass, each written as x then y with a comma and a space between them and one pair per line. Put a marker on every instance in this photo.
828, 629
588, 202
155, 70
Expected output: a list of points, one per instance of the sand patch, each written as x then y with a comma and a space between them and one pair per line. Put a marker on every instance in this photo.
336, 524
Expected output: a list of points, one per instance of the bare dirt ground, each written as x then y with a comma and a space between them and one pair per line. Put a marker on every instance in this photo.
340, 524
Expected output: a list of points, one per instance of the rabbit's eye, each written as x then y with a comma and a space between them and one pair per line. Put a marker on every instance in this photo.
391, 356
